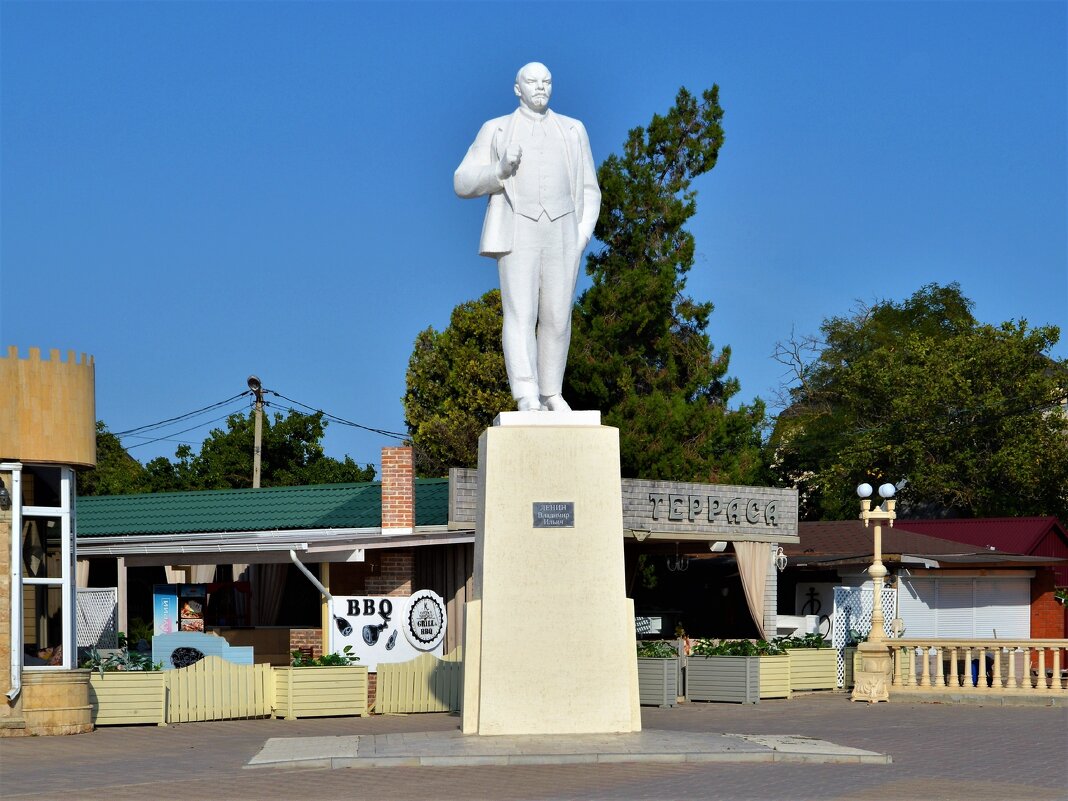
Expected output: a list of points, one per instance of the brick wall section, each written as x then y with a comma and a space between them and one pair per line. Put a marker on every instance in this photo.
1047, 614
398, 488
303, 638
393, 574
372, 690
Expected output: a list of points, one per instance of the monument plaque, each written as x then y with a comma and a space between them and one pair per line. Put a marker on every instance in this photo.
554, 515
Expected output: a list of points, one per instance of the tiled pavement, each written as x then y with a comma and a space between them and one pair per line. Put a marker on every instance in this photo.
452, 749
939, 752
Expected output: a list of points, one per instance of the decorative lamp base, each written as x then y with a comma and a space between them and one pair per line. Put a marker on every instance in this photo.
872, 682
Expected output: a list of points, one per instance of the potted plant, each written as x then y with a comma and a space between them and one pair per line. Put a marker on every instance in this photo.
331, 684
125, 687
813, 662
658, 673
738, 671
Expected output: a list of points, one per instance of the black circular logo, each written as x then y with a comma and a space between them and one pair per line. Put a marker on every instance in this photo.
425, 627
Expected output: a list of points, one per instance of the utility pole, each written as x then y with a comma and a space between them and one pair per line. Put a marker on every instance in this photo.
257, 389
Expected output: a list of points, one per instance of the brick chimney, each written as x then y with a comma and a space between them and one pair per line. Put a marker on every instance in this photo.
398, 490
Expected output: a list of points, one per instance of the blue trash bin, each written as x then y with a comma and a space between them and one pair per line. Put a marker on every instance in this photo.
975, 672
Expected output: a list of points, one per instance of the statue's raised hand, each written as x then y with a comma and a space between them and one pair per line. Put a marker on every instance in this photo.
513, 154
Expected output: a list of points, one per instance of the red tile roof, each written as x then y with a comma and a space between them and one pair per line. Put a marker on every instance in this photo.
846, 538
1015, 534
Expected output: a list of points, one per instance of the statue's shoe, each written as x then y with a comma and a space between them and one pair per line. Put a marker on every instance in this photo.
555, 403
529, 404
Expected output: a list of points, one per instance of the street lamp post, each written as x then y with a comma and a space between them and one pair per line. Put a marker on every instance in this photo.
257, 390
871, 683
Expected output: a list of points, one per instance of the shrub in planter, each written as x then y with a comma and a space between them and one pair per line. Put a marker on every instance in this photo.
814, 640
658, 673
740, 671
737, 648
346, 657
656, 649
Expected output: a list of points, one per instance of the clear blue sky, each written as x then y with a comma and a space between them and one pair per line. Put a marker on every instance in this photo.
193, 192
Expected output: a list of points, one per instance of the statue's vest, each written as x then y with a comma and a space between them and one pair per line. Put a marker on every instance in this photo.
542, 182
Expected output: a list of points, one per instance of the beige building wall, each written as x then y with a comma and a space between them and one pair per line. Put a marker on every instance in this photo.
10, 714
48, 408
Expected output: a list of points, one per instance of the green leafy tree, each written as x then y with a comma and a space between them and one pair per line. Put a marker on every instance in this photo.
640, 351
116, 472
456, 385
291, 455
969, 414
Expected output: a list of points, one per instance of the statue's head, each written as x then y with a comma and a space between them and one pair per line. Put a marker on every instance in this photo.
534, 86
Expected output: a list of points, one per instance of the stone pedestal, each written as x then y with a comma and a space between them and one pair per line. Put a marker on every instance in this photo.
872, 682
549, 637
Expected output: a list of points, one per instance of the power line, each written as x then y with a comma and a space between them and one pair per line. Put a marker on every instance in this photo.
334, 418
139, 431
176, 433
186, 416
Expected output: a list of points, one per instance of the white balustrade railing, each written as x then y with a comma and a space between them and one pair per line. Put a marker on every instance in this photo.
1026, 667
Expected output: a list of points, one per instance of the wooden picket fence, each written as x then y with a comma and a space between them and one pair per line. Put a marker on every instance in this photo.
214, 689
424, 684
211, 689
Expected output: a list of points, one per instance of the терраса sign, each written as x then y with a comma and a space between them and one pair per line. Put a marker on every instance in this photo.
703, 510
672, 510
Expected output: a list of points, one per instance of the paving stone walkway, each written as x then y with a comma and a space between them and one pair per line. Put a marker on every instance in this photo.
452, 749
940, 752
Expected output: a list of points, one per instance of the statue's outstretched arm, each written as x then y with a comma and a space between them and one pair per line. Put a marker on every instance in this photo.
477, 174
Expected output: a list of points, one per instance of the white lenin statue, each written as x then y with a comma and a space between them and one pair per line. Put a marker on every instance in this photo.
537, 169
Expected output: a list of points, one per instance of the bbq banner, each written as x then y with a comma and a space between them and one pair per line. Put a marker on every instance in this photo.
388, 629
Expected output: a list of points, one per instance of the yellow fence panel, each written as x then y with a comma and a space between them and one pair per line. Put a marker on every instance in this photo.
124, 697
214, 689
425, 684
310, 692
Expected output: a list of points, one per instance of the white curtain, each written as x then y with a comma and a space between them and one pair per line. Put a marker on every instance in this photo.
268, 584
753, 567
82, 573
202, 574
175, 575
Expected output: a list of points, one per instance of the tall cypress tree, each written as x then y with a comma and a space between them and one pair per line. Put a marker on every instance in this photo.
639, 350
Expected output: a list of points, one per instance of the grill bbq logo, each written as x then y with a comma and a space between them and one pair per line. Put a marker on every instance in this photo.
426, 620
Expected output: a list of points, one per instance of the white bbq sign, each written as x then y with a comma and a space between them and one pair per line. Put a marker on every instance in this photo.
384, 629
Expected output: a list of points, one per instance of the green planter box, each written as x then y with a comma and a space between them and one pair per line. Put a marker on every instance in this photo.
658, 681
316, 692
813, 668
731, 679
737, 679
123, 697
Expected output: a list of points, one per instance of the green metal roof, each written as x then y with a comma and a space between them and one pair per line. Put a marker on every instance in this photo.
265, 509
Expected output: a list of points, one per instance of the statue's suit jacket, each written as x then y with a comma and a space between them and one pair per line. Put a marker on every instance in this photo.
477, 176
